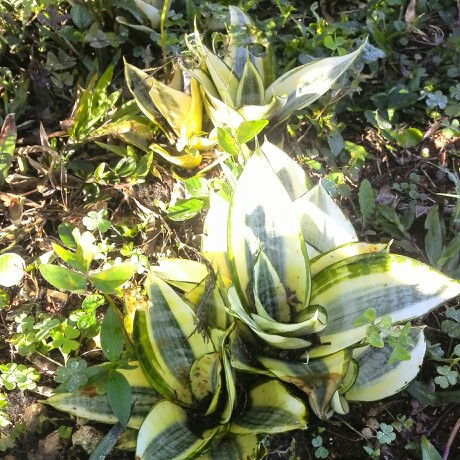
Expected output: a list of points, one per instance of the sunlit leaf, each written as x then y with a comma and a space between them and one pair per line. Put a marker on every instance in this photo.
64, 278
11, 269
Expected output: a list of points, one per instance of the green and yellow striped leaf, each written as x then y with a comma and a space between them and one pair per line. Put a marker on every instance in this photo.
391, 284
262, 218
309, 321
229, 374
262, 112
236, 55
95, 407
318, 378
139, 83
166, 434
214, 241
234, 448
192, 123
291, 175
222, 114
167, 342
304, 84
275, 340
324, 226
223, 77
206, 84
183, 274
271, 300
189, 160
87, 403
251, 87
377, 379
173, 105
270, 408
240, 341
342, 252
205, 376
213, 308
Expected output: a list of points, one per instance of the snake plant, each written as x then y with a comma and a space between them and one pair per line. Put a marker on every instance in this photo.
237, 88
241, 86
236, 346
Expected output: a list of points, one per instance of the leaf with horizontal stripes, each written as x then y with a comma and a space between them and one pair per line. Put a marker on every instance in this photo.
326, 259
87, 403
324, 225
318, 378
269, 293
183, 274
270, 408
304, 84
377, 379
291, 174
262, 218
166, 434
392, 284
167, 342
234, 448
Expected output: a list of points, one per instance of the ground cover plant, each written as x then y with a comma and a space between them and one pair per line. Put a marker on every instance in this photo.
224, 228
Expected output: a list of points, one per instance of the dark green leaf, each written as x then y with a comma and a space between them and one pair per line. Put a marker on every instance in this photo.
119, 396
81, 16
71, 376
112, 338
366, 200
107, 443
336, 143
434, 236
431, 397
453, 313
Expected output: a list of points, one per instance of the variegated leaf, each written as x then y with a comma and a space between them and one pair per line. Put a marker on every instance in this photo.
262, 217
304, 84
271, 408
166, 434
377, 379
291, 175
167, 342
324, 225
391, 284
251, 87
318, 378
342, 252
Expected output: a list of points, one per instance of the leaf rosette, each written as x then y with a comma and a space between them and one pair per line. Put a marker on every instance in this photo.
296, 278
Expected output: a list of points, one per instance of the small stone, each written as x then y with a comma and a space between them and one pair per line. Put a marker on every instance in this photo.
53, 446
87, 437
36, 418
